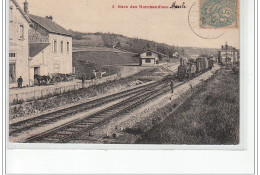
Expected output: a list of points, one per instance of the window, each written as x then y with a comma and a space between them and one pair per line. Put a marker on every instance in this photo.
68, 47
147, 60
148, 53
12, 76
61, 46
55, 46
21, 31
12, 55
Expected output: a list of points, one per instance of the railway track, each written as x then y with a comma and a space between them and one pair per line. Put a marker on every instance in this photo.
76, 128
72, 130
28, 124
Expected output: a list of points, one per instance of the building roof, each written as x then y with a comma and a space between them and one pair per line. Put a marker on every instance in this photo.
36, 48
156, 52
228, 48
50, 25
22, 12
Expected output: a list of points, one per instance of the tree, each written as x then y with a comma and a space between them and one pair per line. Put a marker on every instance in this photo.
182, 52
148, 45
118, 44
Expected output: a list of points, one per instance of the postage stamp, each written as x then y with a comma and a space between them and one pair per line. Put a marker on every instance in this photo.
219, 14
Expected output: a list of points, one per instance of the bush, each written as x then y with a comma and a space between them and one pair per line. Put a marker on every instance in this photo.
16, 101
58, 77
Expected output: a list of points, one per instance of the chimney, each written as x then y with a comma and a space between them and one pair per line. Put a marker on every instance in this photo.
226, 45
49, 17
26, 9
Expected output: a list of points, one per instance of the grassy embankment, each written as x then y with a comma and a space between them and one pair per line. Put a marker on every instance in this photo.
209, 116
86, 61
38, 106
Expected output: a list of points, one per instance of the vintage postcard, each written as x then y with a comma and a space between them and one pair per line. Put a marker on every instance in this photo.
162, 72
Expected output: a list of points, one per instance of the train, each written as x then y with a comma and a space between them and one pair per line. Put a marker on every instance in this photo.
189, 68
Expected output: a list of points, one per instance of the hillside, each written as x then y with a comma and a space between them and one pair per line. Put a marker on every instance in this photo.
194, 52
102, 51
109, 40
86, 61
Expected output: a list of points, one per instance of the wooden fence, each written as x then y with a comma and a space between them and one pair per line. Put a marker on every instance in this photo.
51, 91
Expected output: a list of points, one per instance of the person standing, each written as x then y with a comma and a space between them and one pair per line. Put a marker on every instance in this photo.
172, 85
93, 75
20, 82
83, 81
118, 75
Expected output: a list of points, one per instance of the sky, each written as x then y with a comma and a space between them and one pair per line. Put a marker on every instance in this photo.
168, 26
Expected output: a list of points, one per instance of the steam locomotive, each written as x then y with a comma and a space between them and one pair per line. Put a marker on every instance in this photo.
189, 68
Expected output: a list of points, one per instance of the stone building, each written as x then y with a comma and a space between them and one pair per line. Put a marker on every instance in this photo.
151, 58
38, 45
19, 25
50, 47
228, 54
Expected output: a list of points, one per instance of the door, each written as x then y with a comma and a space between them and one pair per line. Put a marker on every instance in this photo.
36, 71
12, 73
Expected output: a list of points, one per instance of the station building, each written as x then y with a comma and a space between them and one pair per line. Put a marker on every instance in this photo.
151, 58
38, 45
19, 25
